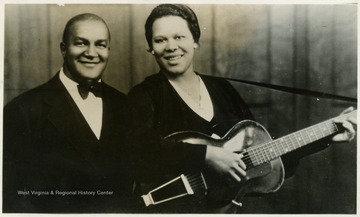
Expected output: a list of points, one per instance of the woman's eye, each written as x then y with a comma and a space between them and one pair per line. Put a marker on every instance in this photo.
179, 37
159, 40
102, 45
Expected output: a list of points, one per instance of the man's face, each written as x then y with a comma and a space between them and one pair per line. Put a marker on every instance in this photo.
86, 50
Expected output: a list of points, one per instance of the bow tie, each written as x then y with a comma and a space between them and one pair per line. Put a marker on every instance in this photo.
84, 90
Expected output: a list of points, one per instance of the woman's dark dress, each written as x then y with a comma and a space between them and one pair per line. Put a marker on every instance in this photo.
156, 110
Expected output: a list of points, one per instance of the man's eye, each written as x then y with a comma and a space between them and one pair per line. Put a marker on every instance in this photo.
79, 43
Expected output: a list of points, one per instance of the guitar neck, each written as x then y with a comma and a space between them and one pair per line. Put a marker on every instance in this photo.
276, 148
187, 184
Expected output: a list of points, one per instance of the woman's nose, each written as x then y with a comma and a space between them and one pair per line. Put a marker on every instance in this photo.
172, 45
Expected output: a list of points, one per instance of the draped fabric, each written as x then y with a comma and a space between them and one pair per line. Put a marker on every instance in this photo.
304, 46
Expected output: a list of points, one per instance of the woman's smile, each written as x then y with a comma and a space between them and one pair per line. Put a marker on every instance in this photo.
173, 59
173, 45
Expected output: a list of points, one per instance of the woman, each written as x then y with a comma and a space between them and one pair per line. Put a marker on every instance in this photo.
179, 99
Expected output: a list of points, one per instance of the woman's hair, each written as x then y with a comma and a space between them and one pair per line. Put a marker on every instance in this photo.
179, 10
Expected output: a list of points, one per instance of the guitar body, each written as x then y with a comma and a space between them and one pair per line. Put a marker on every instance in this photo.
261, 155
264, 178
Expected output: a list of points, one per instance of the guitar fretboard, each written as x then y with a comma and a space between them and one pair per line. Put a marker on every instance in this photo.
253, 156
276, 148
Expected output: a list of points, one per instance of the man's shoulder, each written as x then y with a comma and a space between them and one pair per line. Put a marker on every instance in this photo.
34, 95
113, 92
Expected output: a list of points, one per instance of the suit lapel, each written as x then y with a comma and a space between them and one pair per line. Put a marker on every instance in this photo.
107, 119
67, 118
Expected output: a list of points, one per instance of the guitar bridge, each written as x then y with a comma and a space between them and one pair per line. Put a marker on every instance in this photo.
178, 187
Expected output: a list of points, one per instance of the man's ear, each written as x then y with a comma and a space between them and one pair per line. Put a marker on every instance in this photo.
63, 48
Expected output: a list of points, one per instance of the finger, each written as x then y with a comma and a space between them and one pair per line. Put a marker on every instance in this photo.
350, 109
242, 164
349, 130
341, 137
352, 120
344, 137
348, 126
340, 118
240, 171
341, 121
235, 176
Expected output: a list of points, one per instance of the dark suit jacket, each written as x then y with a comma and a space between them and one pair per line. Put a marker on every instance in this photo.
50, 148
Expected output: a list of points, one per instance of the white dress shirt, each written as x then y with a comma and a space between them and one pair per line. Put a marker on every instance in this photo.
91, 107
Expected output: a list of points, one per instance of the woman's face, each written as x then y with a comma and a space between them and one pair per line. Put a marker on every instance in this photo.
173, 45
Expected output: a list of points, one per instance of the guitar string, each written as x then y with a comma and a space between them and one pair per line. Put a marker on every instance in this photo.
260, 154
271, 144
248, 162
196, 181
281, 142
194, 178
246, 159
198, 186
282, 145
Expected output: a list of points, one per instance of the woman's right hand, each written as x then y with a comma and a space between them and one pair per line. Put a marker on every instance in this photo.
225, 162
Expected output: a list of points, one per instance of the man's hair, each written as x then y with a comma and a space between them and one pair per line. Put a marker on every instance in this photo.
78, 18
179, 10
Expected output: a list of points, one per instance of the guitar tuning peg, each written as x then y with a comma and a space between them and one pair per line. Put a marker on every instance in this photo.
237, 203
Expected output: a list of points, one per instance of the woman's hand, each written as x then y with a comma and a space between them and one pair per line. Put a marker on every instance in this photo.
225, 162
349, 123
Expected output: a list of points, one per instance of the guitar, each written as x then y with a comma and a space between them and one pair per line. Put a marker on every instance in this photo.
261, 154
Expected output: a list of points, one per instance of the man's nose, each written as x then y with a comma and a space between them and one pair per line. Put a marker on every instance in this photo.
91, 51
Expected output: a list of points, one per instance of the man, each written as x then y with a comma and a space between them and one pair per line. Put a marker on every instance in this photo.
62, 140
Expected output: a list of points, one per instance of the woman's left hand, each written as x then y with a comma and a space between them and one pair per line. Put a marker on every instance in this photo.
349, 123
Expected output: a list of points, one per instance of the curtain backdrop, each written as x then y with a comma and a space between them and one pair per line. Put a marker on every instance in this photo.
305, 46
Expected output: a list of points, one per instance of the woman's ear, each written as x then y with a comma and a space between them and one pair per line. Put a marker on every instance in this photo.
196, 45
150, 51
